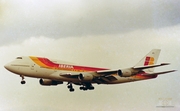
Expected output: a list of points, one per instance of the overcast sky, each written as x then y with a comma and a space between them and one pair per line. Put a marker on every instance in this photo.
20, 19
111, 34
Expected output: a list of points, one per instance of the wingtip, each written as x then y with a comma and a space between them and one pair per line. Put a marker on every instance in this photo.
165, 63
174, 70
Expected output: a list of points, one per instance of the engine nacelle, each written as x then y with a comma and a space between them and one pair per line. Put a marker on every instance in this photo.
125, 73
85, 77
48, 82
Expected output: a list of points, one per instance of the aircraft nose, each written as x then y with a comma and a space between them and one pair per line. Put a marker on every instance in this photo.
7, 66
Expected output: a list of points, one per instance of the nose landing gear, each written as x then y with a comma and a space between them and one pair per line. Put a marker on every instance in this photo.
22, 81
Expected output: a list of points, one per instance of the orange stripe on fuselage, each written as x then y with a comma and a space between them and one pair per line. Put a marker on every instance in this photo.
44, 62
38, 62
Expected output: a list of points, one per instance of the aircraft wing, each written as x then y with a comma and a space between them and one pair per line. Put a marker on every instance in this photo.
70, 75
107, 72
96, 74
105, 76
76, 74
97, 77
104, 79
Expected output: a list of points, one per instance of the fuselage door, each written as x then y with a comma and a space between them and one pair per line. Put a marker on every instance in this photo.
32, 66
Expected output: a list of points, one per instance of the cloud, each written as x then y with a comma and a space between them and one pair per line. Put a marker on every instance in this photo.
57, 19
111, 51
111, 34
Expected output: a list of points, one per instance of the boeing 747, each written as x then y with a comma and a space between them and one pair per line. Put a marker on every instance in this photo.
53, 72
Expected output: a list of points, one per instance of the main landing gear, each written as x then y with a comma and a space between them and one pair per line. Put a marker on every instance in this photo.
84, 87
22, 81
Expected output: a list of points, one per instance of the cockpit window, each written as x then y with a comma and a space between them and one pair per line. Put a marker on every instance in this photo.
19, 58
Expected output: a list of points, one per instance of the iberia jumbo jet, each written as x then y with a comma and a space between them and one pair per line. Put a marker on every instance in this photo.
53, 72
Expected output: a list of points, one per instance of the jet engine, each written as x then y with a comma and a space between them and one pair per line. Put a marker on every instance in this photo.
125, 73
48, 82
85, 77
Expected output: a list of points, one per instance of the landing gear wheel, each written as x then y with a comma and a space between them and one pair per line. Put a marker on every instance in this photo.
91, 88
81, 88
71, 90
84, 89
23, 82
70, 87
86, 86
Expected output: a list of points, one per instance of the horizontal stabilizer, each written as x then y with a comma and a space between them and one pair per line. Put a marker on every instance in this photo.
158, 73
150, 66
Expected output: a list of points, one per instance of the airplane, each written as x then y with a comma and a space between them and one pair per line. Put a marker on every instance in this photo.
55, 72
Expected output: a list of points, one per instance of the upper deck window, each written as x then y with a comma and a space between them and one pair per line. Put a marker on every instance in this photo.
19, 58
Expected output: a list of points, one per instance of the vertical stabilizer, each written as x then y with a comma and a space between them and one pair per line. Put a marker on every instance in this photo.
150, 59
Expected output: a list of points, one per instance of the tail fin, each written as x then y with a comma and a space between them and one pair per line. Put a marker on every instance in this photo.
150, 59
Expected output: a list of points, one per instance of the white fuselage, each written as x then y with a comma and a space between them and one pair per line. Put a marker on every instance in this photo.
26, 66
